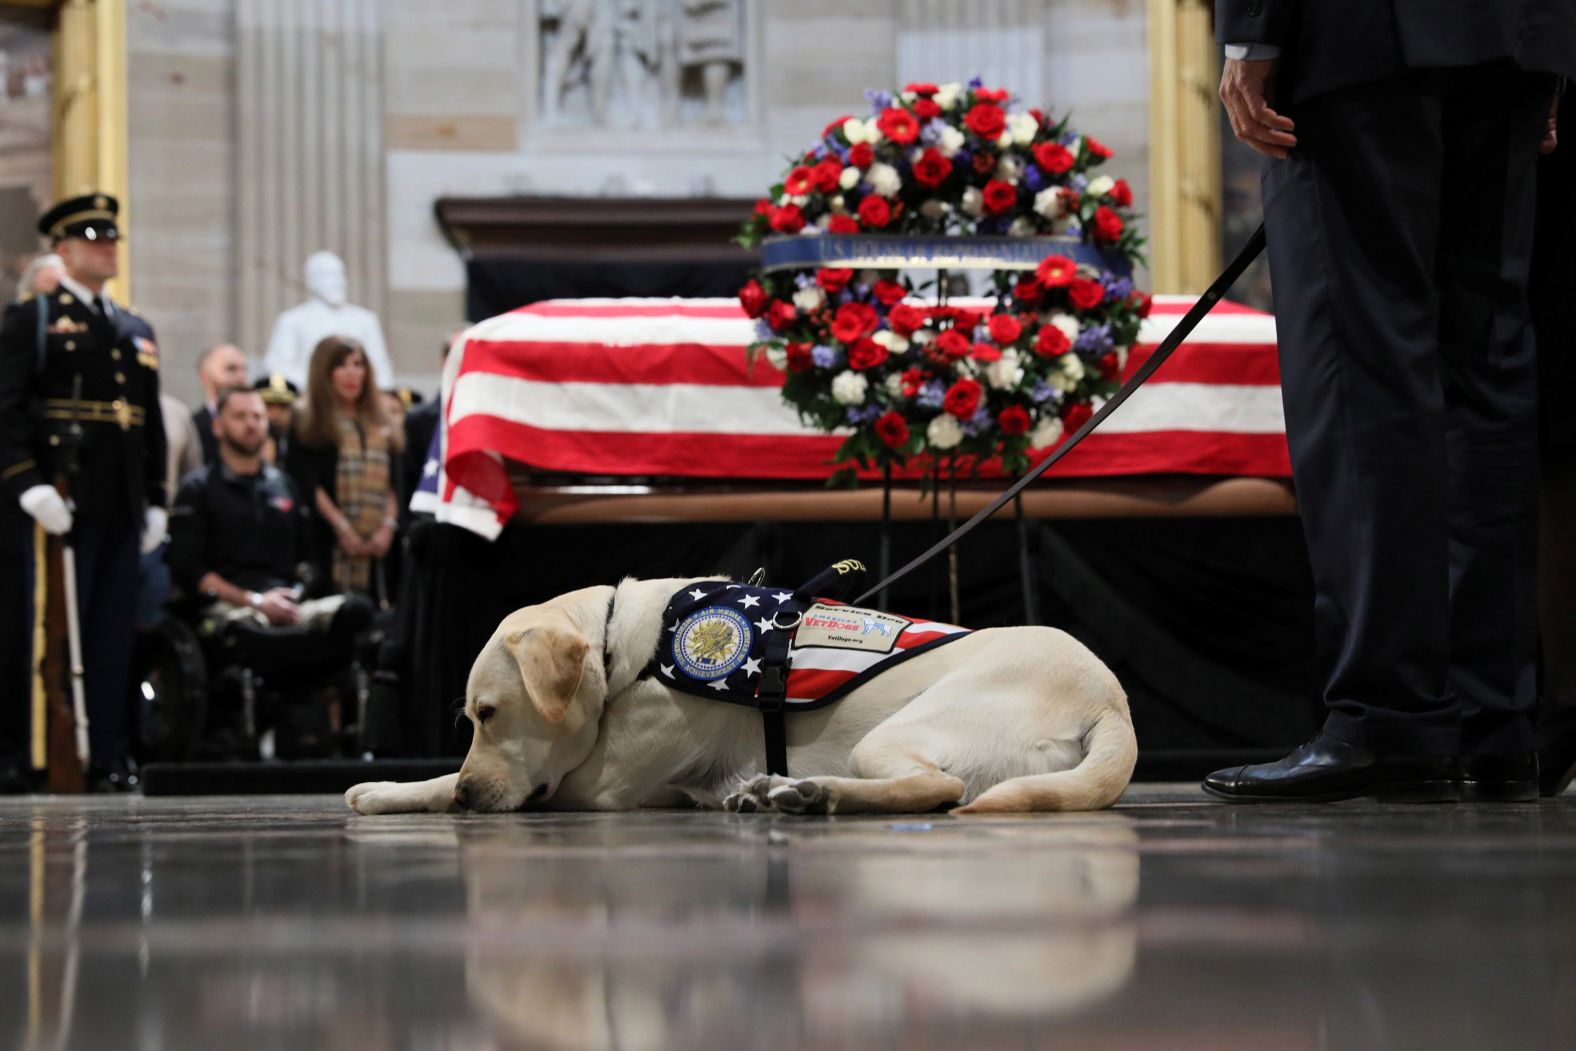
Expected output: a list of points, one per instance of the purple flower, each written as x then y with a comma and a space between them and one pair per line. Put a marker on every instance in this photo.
977, 423
1116, 288
931, 395
1094, 339
962, 159
1033, 179
762, 329
861, 414
824, 357
976, 82
1043, 392
803, 280
1078, 181
930, 131
879, 100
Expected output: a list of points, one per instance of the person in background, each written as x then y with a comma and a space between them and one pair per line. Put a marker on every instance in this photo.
279, 398
41, 275
221, 365
344, 453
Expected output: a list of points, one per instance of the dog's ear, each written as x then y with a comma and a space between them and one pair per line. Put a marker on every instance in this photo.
552, 662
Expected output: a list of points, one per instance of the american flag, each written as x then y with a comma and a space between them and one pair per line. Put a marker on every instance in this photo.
662, 387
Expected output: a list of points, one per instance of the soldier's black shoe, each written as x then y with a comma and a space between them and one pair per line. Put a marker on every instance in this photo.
1511, 778
1326, 770
1556, 751
115, 776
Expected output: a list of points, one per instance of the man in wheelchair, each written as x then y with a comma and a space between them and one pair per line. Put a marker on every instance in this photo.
239, 553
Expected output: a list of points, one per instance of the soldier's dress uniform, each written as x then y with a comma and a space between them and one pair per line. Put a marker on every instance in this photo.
120, 461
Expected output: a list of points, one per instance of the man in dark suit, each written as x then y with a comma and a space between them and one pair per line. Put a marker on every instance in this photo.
1398, 197
75, 358
221, 365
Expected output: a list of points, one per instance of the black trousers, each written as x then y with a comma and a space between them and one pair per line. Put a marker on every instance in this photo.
106, 559
1400, 235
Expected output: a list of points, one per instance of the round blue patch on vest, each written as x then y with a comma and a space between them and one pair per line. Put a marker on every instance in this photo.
712, 643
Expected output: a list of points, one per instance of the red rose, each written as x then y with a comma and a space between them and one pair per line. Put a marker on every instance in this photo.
1053, 157
1096, 148
1142, 301
834, 279
931, 168
1013, 420
991, 94
1004, 328
1038, 114
842, 224
1055, 271
825, 174
780, 314
861, 155
853, 320
984, 162
905, 319
763, 206
913, 379
1107, 224
967, 320
752, 297
962, 398
1028, 291
1000, 196
836, 125
1084, 293
986, 120
866, 354
892, 429
921, 87
898, 124
1051, 342
1122, 194
799, 357
797, 182
1075, 415
951, 344
888, 293
984, 353
1109, 368
874, 211
926, 109
786, 220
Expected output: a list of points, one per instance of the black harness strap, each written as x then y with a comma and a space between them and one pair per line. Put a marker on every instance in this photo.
773, 691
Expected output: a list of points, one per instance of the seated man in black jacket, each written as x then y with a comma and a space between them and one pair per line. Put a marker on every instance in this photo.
239, 532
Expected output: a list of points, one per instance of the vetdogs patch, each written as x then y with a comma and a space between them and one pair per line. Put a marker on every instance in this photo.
850, 628
712, 643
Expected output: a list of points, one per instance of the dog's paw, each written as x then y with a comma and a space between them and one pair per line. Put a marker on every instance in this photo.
800, 797
377, 797
751, 796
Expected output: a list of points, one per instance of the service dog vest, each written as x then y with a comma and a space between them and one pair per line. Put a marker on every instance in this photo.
717, 638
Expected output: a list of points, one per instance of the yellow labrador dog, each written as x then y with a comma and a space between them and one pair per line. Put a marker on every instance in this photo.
1000, 720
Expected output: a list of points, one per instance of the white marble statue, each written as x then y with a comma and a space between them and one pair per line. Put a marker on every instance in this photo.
300, 328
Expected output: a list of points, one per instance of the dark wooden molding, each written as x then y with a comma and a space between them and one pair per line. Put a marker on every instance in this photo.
589, 229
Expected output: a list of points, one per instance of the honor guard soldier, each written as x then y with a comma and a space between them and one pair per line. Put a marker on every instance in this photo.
79, 405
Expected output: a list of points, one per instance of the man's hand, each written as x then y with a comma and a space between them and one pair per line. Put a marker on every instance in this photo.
381, 541
155, 523
48, 509
279, 606
1246, 88
1551, 134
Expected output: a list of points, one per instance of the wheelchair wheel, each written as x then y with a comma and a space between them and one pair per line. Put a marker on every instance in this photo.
170, 692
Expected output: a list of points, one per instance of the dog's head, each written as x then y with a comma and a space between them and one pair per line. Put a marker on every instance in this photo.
534, 698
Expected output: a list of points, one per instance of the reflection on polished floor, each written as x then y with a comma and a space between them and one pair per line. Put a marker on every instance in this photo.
1169, 923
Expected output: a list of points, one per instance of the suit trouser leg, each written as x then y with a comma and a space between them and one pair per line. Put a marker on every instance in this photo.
1356, 219
106, 553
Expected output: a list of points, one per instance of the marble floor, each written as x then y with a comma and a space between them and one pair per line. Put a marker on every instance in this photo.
1172, 923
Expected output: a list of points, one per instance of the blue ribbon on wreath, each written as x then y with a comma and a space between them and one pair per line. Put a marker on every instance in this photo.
893, 251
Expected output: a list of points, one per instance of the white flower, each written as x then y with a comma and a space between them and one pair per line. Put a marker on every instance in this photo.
922, 336
894, 384
1121, 359
837, 204
894, 343
808, 300
1004, 140
934, 209
1046, 433
1076, 145
1060, 380
848, 388
1021, 227
873, 133
1099, 186
1005, 373
884, 179
1008, 169
854, 131
948, 95
973, 202
951, 141
849, 178
1067, 323
1048, 202
944, 432
1023, 127
777, 357
1072, 367
907, 96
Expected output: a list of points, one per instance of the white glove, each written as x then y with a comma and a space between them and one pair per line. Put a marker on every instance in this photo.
46, 506
155, 522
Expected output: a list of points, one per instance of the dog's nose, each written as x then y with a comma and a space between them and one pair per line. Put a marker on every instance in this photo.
462, 795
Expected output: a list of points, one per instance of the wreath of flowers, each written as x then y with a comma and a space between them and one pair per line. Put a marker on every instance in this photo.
915, 379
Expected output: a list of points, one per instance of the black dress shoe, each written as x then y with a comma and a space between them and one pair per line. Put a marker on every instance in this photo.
1326, 770
1556, 751
115, 776
1511, 778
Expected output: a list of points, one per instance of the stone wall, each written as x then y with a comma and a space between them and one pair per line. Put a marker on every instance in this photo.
458, 104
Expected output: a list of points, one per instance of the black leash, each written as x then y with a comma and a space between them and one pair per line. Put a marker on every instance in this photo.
1184, 328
